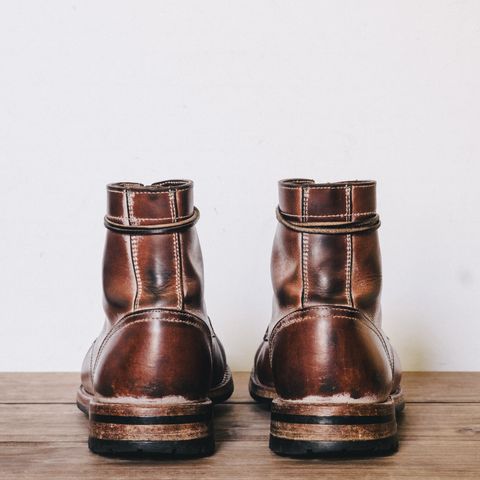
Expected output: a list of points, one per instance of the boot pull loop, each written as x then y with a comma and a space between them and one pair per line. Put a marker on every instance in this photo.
154, 229
330, 228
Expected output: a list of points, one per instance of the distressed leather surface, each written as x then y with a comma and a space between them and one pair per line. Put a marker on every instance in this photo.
157, 339
325, 338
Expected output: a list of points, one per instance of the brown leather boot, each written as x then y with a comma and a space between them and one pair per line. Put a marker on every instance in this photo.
149, 379
329, 368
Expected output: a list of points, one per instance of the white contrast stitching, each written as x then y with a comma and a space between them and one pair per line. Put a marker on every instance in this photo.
134, 247
313, 188
175, 251
123, 323
92, 351
181, 265
348, 240
305, 241
294, 314
148, 192
134, 240
328, 215
348, 282
148, 218
337, 187
368, 323
131, 199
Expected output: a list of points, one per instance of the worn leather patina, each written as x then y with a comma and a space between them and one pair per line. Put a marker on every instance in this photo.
157, 340
325, 339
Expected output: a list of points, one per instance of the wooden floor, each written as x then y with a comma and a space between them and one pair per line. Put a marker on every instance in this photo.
43, 435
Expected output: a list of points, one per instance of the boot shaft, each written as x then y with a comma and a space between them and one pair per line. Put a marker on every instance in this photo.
143, 270
310, 269
325, 338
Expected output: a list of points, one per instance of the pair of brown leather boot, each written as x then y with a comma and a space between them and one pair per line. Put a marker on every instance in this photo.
150, 379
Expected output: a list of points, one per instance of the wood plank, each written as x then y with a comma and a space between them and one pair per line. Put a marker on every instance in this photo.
418, 386
54, 387
38, 387
49, 441
456, 422
61, 387
416, 459
442, 386
438, 440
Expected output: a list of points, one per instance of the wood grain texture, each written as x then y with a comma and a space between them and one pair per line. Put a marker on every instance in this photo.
43, 436
61, 387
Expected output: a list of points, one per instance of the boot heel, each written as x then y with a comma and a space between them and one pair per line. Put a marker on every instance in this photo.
173, 429
299, 428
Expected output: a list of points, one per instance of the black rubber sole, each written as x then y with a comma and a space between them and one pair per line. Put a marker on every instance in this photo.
302, 448
199, 447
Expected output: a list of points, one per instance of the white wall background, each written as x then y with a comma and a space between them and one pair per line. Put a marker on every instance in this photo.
237, 95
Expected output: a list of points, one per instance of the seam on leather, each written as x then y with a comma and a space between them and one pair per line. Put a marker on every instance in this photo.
333, 306
165, 311
320, 187
134, 252
92, 351
137, 218
182, 270
254, 379
148, 192
305, 247
302, 264
392, 355
138, 296
285, 323
379, 335
348, 240
176, 251
227, 374
325, 215
348, 272
124, 323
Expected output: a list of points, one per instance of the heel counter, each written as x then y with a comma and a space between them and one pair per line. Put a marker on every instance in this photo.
330, 353
155, 354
